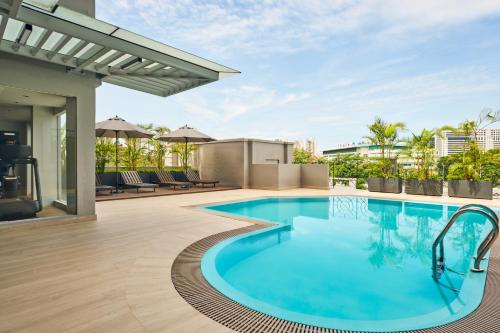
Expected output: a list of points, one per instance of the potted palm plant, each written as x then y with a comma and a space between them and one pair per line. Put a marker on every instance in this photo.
422, 179
466, 178
383, 176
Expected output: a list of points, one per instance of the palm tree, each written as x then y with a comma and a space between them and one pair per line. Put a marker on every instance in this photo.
156, 150
471, 152
104, 153
133, 153
386, 136
420, 147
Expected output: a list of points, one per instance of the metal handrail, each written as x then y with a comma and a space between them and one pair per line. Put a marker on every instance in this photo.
438, 263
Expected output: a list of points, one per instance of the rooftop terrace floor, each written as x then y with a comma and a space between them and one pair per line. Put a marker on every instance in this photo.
114, 275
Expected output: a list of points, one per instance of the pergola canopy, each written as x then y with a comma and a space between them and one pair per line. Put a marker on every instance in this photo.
43, 30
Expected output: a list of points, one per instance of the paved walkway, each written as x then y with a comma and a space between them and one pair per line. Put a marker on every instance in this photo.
113, 275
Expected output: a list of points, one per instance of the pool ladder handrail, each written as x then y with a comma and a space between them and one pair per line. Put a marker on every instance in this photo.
438, 262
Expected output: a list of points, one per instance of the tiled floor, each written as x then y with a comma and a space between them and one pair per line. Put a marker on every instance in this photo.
113, 275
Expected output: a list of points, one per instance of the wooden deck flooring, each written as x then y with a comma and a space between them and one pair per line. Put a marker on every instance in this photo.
113, 275
162, 191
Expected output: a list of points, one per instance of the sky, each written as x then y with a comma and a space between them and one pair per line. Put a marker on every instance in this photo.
317, 69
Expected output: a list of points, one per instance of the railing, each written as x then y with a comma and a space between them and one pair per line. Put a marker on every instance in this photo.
438, 262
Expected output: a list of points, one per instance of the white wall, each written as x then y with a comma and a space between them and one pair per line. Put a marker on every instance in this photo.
43, 77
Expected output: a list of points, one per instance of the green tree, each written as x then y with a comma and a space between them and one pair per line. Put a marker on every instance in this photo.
491, 166
133, 153
348, 166
156, 150
420, 148
302, 156
104, 153
470, 164
184, 153
385, 135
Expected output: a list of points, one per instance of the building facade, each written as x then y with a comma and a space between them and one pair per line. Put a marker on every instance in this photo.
449, 143
364, 149
53, 56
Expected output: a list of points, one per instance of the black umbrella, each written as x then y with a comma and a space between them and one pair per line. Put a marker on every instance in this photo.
185, 134
117, 127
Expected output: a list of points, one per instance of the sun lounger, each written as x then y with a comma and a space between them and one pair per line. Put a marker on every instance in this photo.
194, 177
132, 179
166, 178
99, 187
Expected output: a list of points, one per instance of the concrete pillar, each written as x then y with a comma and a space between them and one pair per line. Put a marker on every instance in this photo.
80, 136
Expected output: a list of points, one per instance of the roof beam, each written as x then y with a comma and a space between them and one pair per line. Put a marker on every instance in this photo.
138, 66
40, 42
159, 85
93, 58
109, 60
135, 85
14, 8
57, 24
77, 48
3, 25
60, 44
26, 51
12, 12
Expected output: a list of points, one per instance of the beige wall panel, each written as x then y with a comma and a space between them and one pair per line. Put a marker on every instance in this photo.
315, 176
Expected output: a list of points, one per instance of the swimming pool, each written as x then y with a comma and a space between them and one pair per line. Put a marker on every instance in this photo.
349, 263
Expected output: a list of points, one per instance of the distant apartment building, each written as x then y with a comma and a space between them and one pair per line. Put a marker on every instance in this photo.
450, 143
308, 145
362, 148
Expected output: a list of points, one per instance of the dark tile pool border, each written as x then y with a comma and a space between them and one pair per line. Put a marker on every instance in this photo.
192, 286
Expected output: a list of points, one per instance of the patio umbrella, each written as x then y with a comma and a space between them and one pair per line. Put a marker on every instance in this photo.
185, 134
117, 127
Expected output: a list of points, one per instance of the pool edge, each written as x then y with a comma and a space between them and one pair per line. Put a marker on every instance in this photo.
195, 289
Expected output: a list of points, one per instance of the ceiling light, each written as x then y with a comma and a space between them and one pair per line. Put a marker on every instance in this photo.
131, 63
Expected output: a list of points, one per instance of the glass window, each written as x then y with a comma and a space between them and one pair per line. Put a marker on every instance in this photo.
61, 158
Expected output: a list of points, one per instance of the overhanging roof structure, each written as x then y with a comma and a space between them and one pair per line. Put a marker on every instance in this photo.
40, 29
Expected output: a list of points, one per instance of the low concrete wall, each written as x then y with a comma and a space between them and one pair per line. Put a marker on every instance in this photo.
264, 176
253, 163
315, 176
274, 176
224, 161
289, 176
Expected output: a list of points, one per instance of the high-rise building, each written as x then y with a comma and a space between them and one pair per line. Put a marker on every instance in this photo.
310, 146
449, 143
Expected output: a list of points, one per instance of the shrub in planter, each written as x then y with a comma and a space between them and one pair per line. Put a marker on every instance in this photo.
465, 179
474, 189
431, 187
421, 178
473, 171
380, 181
386, 185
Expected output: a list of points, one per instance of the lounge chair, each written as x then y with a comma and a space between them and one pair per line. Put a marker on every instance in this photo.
132, 179
166, 178
99, 187
194, 177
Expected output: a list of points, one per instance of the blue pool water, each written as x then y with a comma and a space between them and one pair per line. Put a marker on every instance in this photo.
349, 262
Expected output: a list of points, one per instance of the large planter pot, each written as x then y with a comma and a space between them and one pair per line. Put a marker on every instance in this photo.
386, 185
474, 189
424, 187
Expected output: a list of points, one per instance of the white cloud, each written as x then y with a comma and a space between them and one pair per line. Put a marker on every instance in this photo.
294, 97
228, 104
223, 27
